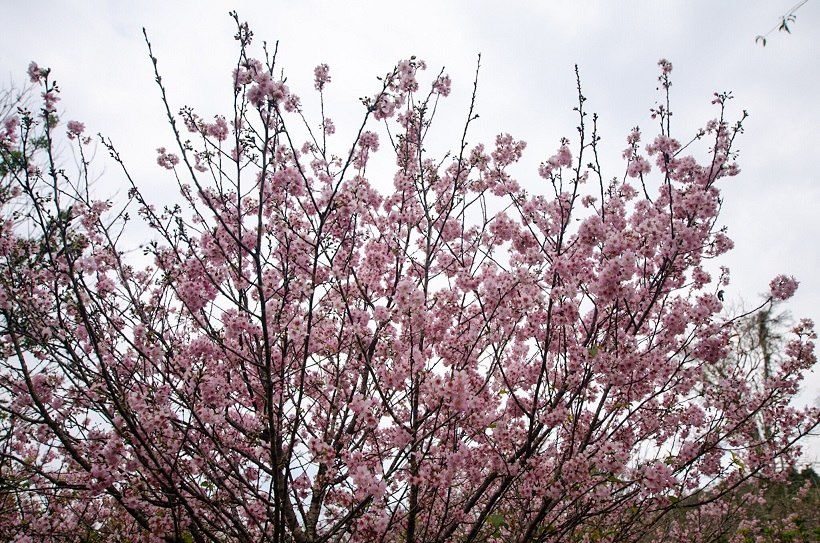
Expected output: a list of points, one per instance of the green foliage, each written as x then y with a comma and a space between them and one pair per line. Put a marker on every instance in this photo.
789, 512
788, 515
786, 20
11, 162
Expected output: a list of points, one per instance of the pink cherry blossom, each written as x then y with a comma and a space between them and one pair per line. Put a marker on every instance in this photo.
219, 129
167, 160
9, 136
783, 287
442, 85
50, 99
75, 129
35, 73
287, 350
321, 75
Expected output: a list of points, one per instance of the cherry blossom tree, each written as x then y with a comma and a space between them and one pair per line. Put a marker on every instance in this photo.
300, 357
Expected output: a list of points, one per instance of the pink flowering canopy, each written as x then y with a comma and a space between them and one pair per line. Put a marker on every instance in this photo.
303, 358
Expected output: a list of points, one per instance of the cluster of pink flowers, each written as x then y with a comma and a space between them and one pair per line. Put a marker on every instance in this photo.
9, 136
407, 74
659, 477
308, 359
50, 99
267, 89
666, 69
783, 287
35, 73
442, 85
561, 159
75, 129
638, 166
218, 129
368, 141
328, 127
247, 72
166, 159
321, 76
384, 106
665, 147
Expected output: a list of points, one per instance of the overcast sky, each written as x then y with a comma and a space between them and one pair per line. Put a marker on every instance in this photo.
97, 53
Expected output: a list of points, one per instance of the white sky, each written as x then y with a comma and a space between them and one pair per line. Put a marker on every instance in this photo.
527, 87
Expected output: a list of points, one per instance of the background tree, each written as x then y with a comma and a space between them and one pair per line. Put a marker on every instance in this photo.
760, 344
764, 508
306, 359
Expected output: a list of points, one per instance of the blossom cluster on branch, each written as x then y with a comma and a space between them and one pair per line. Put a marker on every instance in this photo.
306, 358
